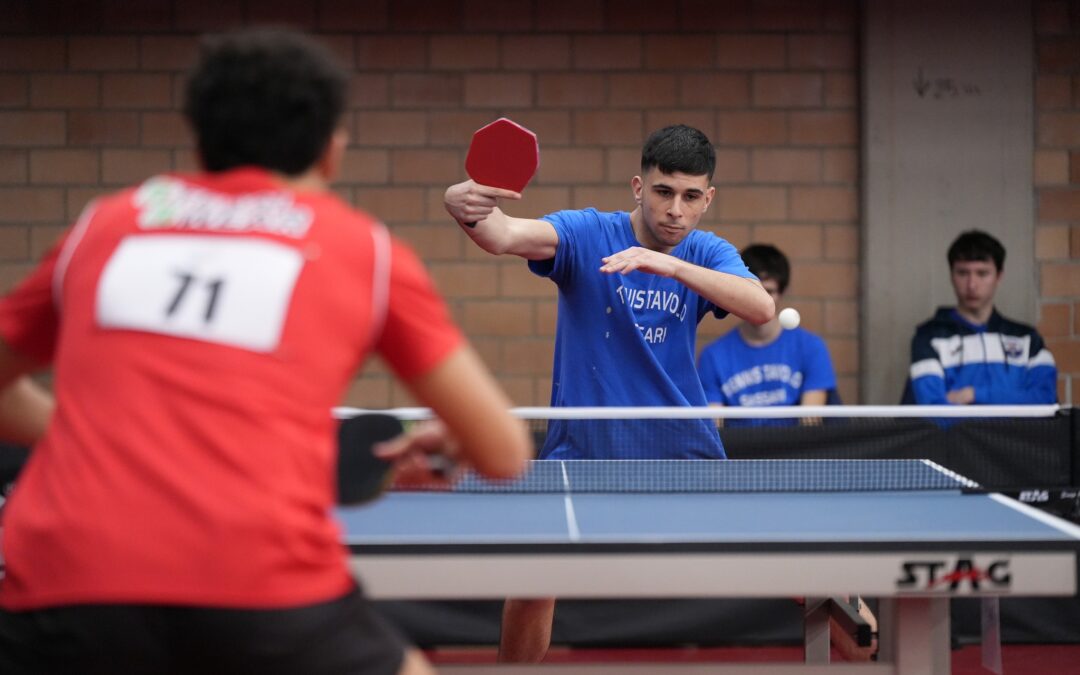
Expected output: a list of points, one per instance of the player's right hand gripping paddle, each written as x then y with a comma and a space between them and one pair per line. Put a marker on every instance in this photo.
361, 475
503, 154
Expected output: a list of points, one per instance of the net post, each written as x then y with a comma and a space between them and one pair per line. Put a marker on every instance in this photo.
1074, 445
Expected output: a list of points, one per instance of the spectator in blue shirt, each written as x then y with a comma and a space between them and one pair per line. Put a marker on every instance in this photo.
767, 365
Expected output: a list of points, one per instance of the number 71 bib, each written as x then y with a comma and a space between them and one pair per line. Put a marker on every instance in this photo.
227, 290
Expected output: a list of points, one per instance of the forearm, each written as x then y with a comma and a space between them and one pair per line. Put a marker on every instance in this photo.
475, 410
745, 298
475, 208
813, 397
1039, 387
500, 234
25, 410
490, 233
25, 406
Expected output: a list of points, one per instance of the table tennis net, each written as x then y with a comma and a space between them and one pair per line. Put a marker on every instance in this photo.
998, 447
748, 475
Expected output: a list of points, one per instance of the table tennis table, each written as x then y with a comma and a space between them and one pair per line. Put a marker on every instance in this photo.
907, 532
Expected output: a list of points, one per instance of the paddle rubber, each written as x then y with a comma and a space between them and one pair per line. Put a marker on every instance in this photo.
362, 476
503, 154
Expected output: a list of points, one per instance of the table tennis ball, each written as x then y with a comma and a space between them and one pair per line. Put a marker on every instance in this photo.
789, 318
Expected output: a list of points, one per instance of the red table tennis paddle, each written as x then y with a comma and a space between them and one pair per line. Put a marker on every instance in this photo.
503, 154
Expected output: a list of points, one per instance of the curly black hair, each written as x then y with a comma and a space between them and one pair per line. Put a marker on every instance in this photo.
264, 97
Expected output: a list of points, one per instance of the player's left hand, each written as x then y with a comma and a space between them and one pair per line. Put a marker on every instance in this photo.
422, 456
641, 259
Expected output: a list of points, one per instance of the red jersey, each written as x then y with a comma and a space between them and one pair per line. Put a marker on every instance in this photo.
201, 329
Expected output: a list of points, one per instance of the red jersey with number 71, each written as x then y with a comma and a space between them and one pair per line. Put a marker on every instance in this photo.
201, 328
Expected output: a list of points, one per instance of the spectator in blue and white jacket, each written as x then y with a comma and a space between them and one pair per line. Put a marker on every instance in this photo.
971, 354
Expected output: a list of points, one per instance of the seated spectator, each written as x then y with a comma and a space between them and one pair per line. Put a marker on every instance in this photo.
767, 365
971, 354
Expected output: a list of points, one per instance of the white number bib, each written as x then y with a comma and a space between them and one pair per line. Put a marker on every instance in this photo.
225, 290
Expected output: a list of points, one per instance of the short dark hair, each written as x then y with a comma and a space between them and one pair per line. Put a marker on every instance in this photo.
976, 245
265, 97
768, 262
679, 149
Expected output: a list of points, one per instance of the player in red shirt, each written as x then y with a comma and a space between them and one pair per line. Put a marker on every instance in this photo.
176, 514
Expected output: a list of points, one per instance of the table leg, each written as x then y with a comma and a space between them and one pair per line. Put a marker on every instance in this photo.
816, 630
914, 634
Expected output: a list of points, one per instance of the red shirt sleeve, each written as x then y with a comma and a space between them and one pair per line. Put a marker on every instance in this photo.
418, 332
29, 321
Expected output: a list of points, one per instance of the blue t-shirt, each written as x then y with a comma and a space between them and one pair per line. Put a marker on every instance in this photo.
627, 341
736, 373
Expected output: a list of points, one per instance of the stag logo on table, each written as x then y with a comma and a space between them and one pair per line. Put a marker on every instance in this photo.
961, 574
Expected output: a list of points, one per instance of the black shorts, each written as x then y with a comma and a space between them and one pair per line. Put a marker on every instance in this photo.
343, 636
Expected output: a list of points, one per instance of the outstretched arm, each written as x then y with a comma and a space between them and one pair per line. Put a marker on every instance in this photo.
475, 208
745, 298
465, 396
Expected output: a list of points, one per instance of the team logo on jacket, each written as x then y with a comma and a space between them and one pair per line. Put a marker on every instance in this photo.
1014, 347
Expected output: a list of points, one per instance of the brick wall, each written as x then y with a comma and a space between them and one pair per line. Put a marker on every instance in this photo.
89, 92
1057, 186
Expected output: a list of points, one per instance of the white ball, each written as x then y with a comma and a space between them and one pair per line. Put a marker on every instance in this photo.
789, 318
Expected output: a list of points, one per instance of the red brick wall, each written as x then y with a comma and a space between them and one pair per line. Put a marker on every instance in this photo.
89, 92
1057, 186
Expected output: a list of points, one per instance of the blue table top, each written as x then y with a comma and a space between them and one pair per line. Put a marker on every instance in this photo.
818, 519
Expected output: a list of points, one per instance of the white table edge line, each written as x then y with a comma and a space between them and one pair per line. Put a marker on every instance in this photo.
572, 529
1041, 516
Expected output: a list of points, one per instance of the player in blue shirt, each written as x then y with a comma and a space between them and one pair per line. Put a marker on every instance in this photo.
632, 288
628, 340
970, 354
767, 365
